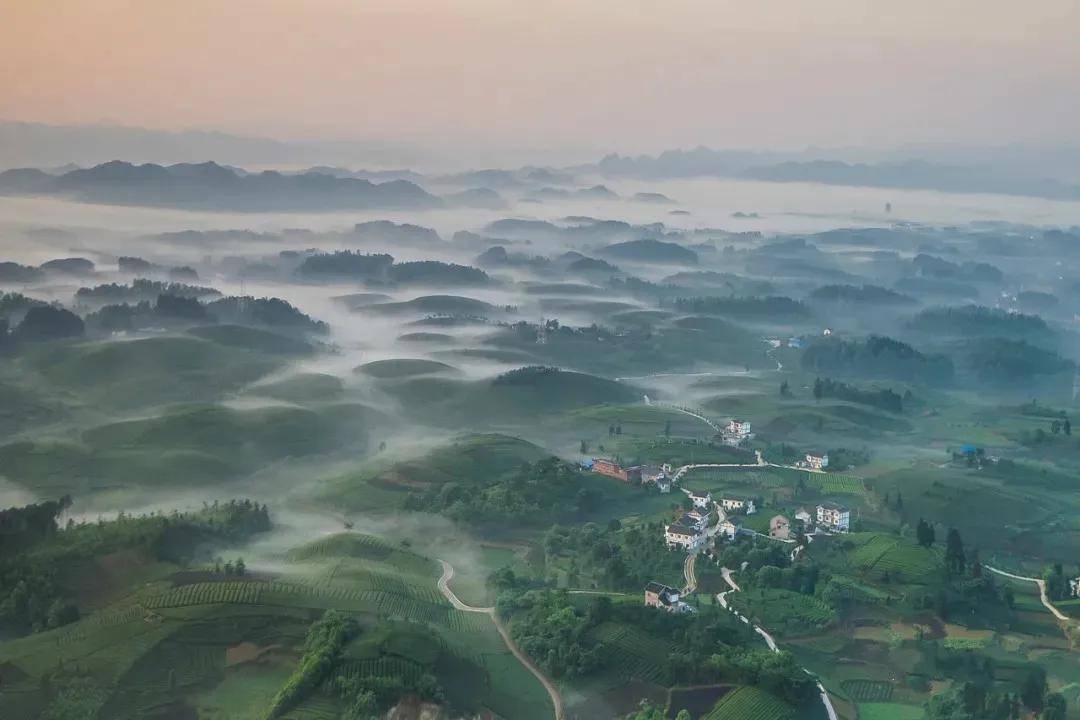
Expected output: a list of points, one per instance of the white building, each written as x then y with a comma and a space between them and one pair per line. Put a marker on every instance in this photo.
731, 527
684, 537
699, 517
739, 428
817, 462
735, 432
701, 499
663, 484
834, 517
804, 516
1074, 587
734, 504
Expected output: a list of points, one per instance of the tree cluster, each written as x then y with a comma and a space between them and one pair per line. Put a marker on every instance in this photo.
885, 398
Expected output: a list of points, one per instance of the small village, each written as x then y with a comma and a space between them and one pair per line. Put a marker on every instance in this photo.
707, 522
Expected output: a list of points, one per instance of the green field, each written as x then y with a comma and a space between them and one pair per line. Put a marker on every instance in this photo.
750, 703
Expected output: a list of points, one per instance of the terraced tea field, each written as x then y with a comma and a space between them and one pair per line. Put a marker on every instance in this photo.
750, 703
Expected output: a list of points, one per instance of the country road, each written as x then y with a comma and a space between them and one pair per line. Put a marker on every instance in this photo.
1042, 591
722, 599
444, 588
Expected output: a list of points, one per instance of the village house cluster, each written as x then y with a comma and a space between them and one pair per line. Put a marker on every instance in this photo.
736, 432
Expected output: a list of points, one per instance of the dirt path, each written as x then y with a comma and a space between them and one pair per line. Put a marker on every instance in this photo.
722, 599
689, 575
1042, 591
444, 588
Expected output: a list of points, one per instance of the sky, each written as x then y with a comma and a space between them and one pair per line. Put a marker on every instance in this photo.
606, 75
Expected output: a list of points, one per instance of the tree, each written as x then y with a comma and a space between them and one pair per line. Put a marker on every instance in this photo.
819, 389
46, 322
584, 447
611, 430
954, 553
1054, 707
899, 501
785, 389
667, 429
240, 568
1055, 427
1067, 427
1033, 688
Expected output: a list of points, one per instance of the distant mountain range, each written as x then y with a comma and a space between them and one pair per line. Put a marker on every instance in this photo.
769, 167
329, 183
209, 186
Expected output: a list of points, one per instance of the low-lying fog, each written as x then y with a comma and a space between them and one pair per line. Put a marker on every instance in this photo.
35, 230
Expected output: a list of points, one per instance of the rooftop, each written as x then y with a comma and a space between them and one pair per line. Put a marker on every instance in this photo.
658, 588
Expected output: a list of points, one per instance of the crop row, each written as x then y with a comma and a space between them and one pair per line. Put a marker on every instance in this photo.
382, 667
749, 703
862, 690
832, 484
206, 593
634, 654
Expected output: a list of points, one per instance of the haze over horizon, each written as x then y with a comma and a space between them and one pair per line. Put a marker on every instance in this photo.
580, 78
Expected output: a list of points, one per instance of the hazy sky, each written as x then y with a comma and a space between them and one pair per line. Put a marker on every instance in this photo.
623, 75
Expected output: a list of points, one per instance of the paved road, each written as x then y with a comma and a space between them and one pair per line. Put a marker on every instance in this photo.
444, 588
1042, 591
722, 599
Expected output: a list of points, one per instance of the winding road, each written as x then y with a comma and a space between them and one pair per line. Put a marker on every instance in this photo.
1042, 591
444, 588
722, 599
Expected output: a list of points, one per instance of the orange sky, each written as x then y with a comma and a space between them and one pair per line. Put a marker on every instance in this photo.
627, 75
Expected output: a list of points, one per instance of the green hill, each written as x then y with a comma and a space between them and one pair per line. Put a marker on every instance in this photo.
431, 305
254, 339
473, 456
302, 387
138, 373
513, 396
404, 367
189, 446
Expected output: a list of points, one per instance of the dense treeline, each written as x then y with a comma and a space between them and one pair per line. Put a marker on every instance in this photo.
434, 272
861, 295
381, 267
269, 311
170, 309
139, 290
346, 263
322, 649
975, 320
616, 557
42, 323
775, 307
876, 357
935, 267
363, 697
532, 493
38, 557
711, 645
977, 698
1005, 362
884, 398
